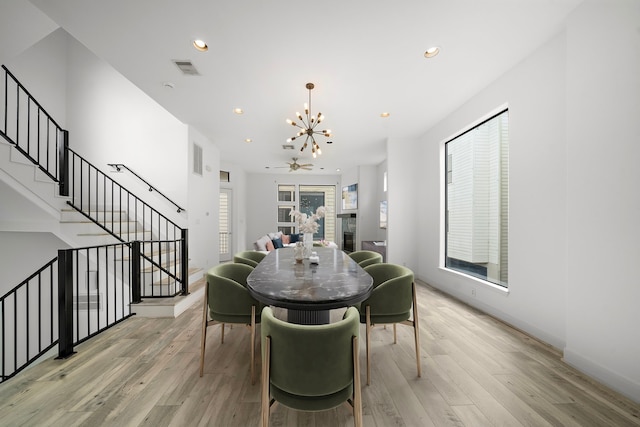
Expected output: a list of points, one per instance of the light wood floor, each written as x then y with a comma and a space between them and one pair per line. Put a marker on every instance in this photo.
476, 372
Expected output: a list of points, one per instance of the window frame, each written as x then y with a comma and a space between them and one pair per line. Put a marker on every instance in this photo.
502, 234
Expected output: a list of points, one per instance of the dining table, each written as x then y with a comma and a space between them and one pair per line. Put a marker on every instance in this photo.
309, 290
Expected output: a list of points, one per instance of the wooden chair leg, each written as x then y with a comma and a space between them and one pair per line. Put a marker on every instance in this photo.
203, 340
357, 392
395, 337
416, 329
222, 335
253, 343
265, 398
368, 341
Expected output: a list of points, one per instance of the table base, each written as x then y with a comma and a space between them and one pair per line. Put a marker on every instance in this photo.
308, 317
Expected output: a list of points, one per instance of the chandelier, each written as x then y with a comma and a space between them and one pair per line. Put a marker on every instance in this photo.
307, 126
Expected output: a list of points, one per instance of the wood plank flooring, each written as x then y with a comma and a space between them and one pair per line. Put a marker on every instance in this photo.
477, 371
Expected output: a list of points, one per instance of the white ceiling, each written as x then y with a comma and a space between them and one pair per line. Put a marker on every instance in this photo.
364, 57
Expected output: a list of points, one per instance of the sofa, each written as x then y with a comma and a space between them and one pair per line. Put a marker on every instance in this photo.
277, 240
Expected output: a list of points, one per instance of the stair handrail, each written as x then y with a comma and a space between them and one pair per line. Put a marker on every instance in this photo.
49, 160
173, 232
119, 166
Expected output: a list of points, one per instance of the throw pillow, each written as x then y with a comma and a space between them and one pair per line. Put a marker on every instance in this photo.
285, 239
261, 243
277, 243
270, 246
294, 238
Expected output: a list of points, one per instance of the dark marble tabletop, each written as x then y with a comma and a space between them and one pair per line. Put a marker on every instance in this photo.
336, 281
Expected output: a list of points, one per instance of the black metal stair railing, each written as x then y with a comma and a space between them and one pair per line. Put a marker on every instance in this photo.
32, 131
28, 319
35, 134
72, 298
128, 218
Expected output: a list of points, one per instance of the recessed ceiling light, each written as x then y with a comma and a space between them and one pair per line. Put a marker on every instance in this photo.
238, 110
431, 52
200, 45
248, 140
338, 170
385, 114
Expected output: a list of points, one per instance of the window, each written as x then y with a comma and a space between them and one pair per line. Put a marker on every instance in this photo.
310, 198
477, 200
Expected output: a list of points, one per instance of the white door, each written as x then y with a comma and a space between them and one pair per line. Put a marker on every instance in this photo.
226, 246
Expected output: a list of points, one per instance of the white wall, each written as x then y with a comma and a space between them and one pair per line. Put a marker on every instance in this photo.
535, 92
48, 88
112, 121
573, 195
603, 198
204, 204
22, 253
262, 200
21, 26
407, 175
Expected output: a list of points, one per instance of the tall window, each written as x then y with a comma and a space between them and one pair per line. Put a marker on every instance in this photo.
477, 201
307, 198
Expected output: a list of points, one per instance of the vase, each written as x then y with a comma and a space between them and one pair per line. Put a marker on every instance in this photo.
308, 244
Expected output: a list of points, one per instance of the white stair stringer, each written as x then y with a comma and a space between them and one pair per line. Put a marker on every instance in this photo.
30, 182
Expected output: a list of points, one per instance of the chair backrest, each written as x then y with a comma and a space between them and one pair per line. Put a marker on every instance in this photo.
251, 258
392, 289
365, 258
228, 294
311, 360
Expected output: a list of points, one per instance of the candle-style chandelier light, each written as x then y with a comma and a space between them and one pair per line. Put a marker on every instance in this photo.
307, 127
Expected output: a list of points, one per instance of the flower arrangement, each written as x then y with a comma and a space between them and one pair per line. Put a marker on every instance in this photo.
308, 223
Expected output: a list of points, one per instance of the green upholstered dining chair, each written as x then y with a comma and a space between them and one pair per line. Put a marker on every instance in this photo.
251, 258
310, 367
227, 301
392, 301
365, 258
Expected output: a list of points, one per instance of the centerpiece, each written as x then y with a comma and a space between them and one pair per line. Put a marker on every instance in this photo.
308, 225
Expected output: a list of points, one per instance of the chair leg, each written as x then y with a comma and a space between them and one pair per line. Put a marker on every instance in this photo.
416, 329
357, 392
203, 340
266, 406
253, 343
368, 341
395, 337
222, 335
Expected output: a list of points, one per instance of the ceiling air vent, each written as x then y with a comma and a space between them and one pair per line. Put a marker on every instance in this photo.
287, 146
186, 67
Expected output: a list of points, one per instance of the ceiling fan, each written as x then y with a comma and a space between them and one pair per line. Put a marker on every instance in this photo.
294, 166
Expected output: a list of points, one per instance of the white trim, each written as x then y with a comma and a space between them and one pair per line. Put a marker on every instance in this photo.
443, 184
500, 289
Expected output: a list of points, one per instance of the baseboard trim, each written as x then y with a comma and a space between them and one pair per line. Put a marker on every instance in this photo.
622, 385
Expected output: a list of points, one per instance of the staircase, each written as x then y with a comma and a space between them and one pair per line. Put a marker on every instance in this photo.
93, 210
